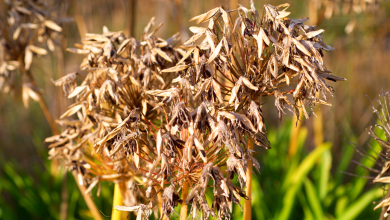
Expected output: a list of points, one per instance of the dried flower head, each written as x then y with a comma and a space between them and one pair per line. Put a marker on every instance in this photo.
113, 108
382, 165
26, 29
171, 117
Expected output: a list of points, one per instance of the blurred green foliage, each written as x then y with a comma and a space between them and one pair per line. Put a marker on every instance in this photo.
39, 195
303, 187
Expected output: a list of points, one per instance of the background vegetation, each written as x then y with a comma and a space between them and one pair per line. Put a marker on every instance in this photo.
301, 175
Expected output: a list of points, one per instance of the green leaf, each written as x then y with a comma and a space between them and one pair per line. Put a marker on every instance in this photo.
326, 165
314, 201
308, 163
305, 206
340, 205
347, 153
297, 179
295, 162
259, 207
359, 205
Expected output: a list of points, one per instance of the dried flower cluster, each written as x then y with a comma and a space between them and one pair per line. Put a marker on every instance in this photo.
114, 112
26, 28
156, 117
382, 117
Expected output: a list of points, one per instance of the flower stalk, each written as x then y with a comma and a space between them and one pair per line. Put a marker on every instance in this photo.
91, 205
248, 202
184, 206
117, 200
295, 128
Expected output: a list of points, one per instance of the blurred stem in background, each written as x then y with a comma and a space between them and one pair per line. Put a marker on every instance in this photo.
2, 6
91, 205
313, 11
45, 110
317, 127
295, 127
132, 17
47, 114
179, 15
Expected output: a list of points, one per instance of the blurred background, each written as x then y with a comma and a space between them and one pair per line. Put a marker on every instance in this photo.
301, 176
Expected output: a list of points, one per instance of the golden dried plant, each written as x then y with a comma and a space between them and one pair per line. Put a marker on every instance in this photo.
111, 102
26, 28
381, 158
165, 120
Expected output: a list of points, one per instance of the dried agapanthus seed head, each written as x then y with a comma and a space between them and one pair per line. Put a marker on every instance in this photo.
68, 82
27, 28
382, 167
113, 107
174, 117
255, 115
170, 200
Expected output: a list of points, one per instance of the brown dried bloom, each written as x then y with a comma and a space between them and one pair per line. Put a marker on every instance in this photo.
26, 29
112, 106
381, 171
169, 117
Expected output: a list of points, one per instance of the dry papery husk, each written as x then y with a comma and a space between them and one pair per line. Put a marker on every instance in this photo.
28, 29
